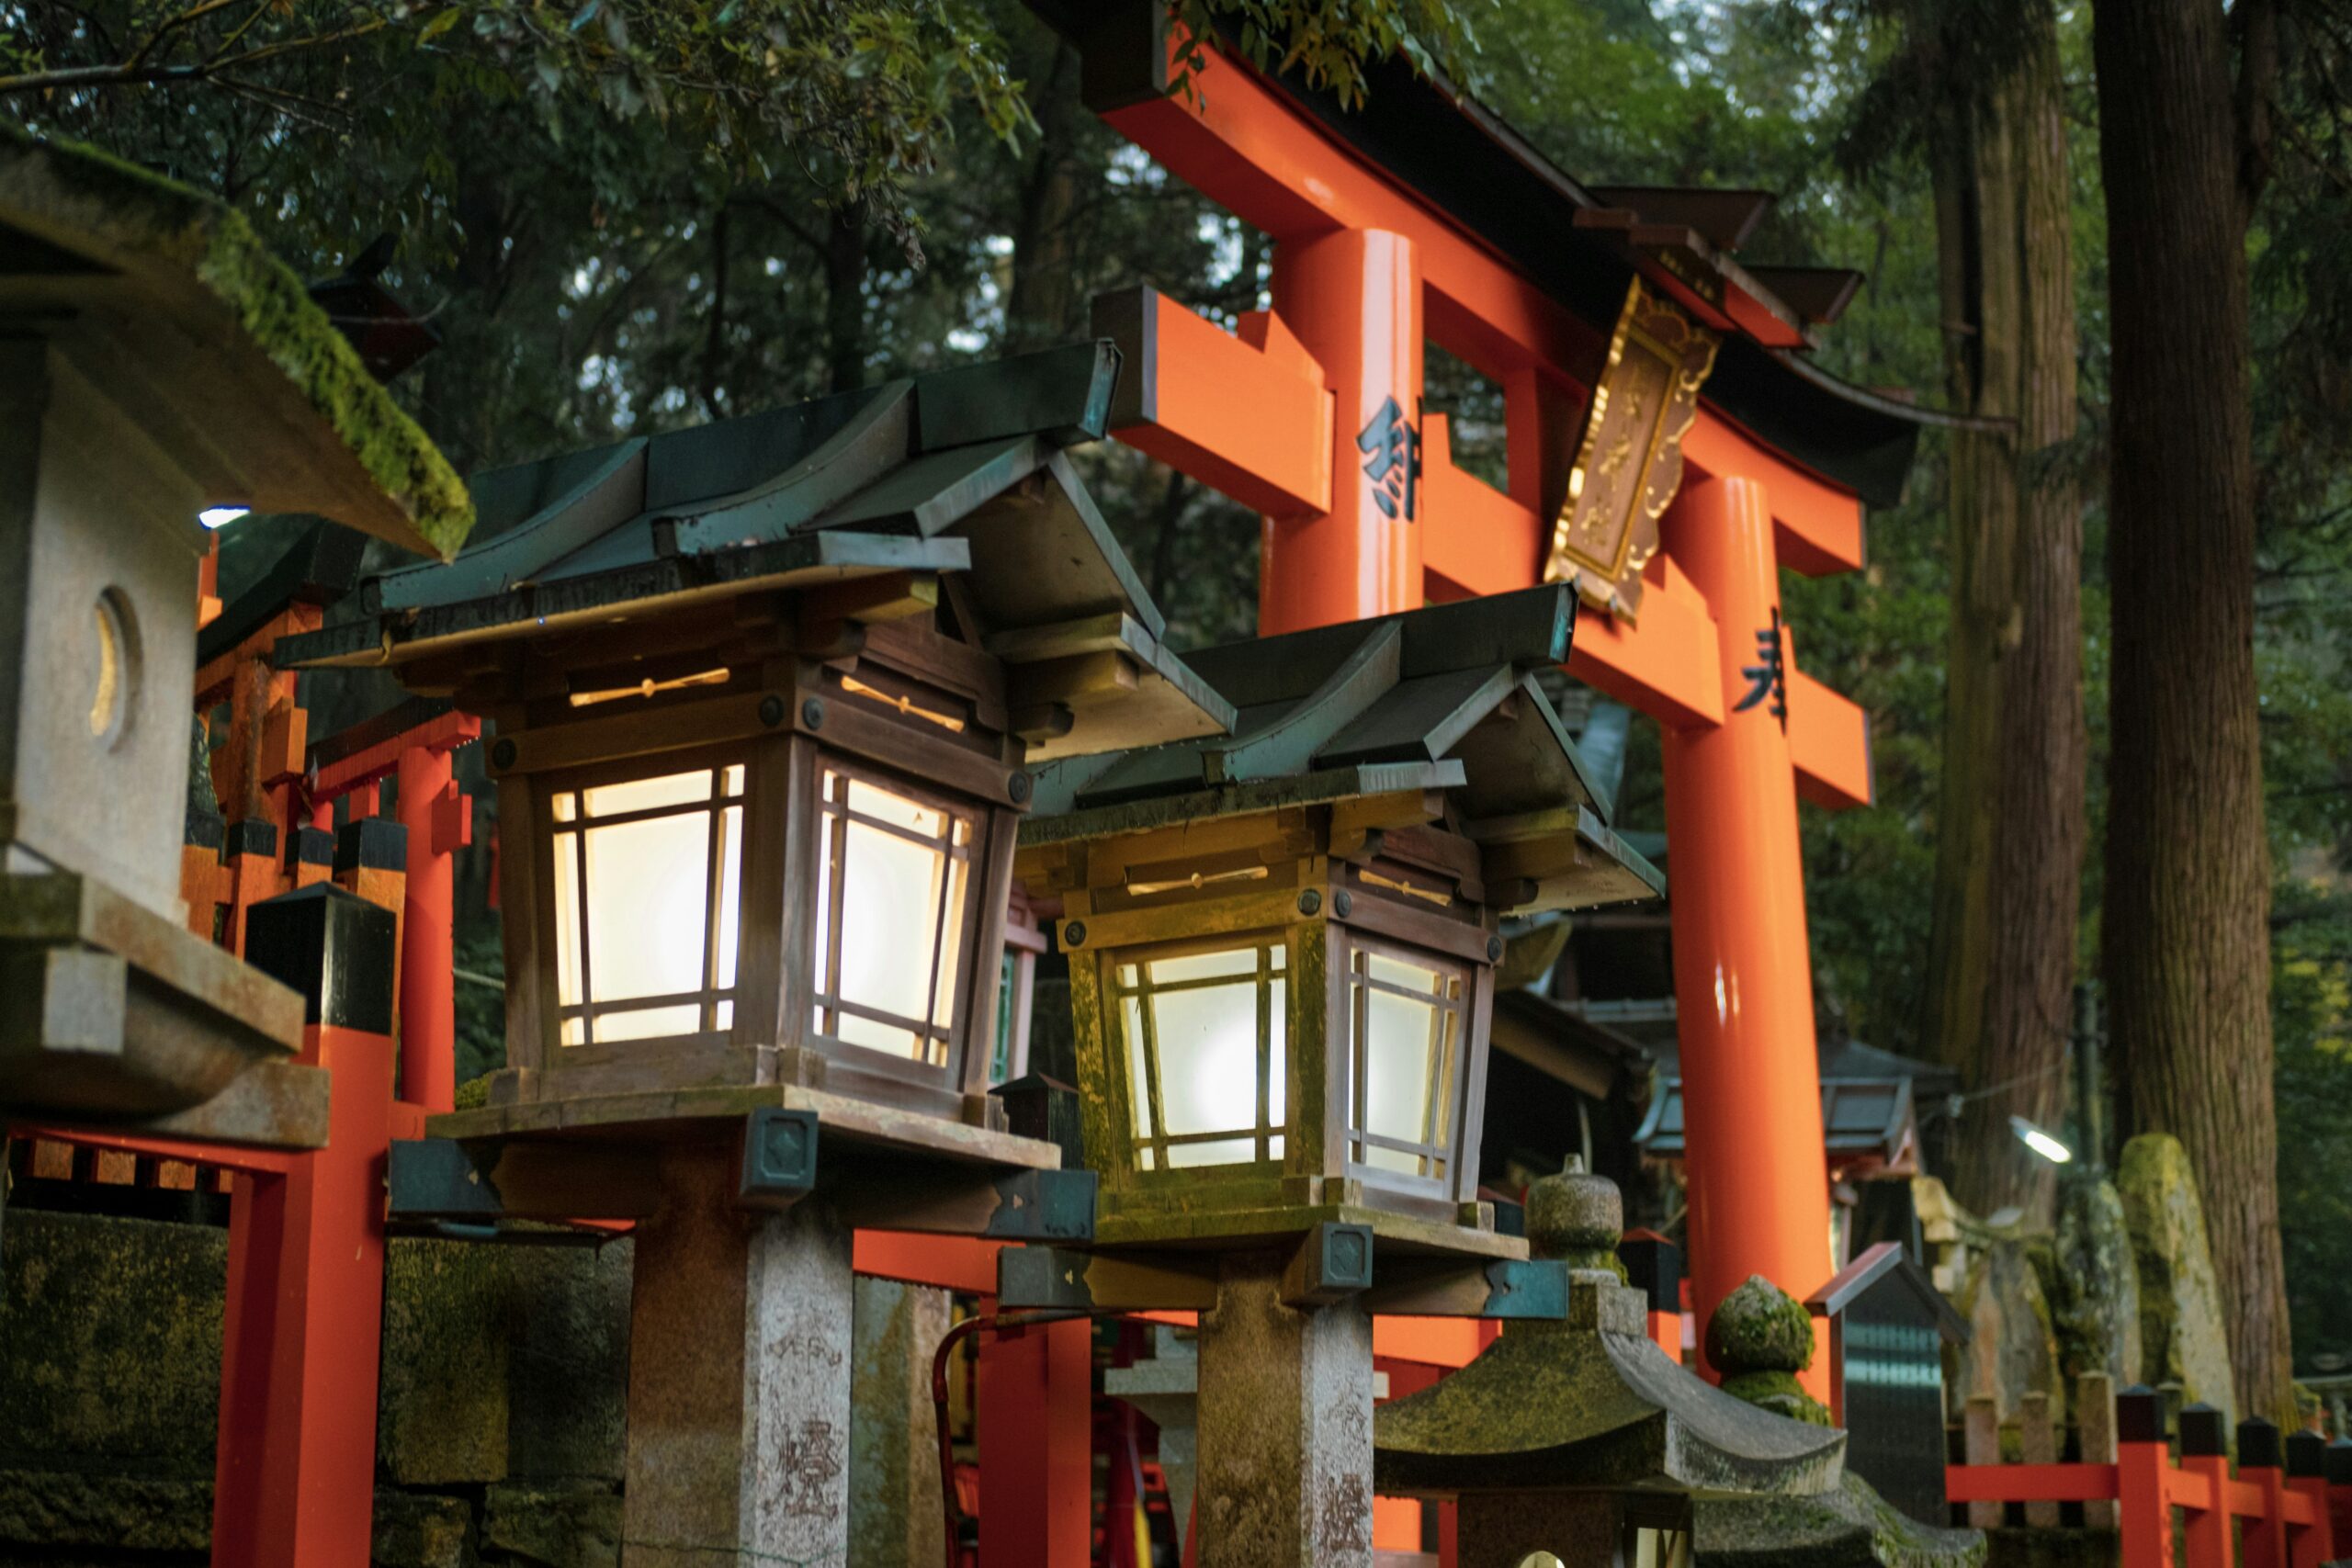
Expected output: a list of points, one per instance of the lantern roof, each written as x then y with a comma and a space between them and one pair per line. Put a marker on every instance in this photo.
963, 471
167, 301
1591, 1403
1441, 700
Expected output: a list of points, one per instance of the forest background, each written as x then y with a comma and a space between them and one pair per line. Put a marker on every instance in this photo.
631, 215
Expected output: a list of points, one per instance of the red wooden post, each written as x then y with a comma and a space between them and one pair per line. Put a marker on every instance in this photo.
1034, 1396
2339, 1489
2140, 1462
1354, 299
2312, 1543
2264, 1535
294, 1478
439, 819
1743, 975
2204, 1453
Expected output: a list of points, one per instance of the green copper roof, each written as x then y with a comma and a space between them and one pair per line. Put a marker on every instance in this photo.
961, 473
167, 300
1442, 698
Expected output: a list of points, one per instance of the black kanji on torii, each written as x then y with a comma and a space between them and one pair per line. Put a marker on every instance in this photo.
1768, 677
1393, 461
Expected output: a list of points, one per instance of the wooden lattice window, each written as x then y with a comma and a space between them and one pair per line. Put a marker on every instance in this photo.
648, 888
1204, 1033
1405, 1013
894, 901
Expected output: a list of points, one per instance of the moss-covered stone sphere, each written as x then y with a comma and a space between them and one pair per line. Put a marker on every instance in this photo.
1760, 1327
1575, 1217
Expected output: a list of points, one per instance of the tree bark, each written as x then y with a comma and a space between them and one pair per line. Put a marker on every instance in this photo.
845, 269
1042, 306
2010, 830
2187, 944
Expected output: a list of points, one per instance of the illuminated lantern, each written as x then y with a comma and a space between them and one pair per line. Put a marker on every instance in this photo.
767, 696
1282, 946
1283, 942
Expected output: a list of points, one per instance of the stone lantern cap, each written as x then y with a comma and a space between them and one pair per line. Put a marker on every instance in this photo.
1591, 1403
961, 473
165, 299
1443, 700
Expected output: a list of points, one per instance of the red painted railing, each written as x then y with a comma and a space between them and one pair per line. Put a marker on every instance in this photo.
2284, 1506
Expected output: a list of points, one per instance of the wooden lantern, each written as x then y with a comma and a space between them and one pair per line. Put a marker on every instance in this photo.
1283, 942
766, 693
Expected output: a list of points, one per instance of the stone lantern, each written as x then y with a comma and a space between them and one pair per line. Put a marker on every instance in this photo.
767, 695
1581, 1438
1282, 947
158, 361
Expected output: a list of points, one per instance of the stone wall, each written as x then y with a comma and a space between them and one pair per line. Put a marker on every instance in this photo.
500, 1421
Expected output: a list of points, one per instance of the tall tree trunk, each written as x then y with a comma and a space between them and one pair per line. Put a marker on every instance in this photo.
1043, 307
2187, 901
2010, 826
846, 270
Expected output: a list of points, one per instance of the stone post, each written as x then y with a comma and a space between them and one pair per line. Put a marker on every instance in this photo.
739, 1377
1285, 1425
897, 1517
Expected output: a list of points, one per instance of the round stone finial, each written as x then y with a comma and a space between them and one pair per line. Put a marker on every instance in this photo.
1575, 1217
1759, 1340
1760, 1327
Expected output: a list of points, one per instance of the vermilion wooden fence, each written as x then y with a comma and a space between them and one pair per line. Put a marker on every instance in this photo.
2285, 1505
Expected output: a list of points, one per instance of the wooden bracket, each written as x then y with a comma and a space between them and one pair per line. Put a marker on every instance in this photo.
1018, 1205
1062, 1279
439, 1179
1522, 1288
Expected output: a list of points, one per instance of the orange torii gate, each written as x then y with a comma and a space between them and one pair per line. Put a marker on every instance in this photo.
1421, 218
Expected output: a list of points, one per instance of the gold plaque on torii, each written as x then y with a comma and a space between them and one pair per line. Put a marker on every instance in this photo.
1629, 463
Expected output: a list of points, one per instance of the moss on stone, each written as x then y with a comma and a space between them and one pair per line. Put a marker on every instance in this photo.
1781, 1393
1760, 1328
141, 213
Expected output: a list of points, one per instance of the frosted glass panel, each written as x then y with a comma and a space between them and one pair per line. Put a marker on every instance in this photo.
650, 1024
890, 935
730, 892
647, 794
1203, 967
890, 921
1220, 1151
867, 800
951, 944
878, 1036
1138, 1083
647, 883
1398, 1040
1277, 1054
565, 895
1208, 1059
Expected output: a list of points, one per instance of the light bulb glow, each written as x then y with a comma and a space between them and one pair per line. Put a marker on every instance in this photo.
2040, 1141
890, 913
1405, 1016
222, 516
634, 904
1205, 1045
